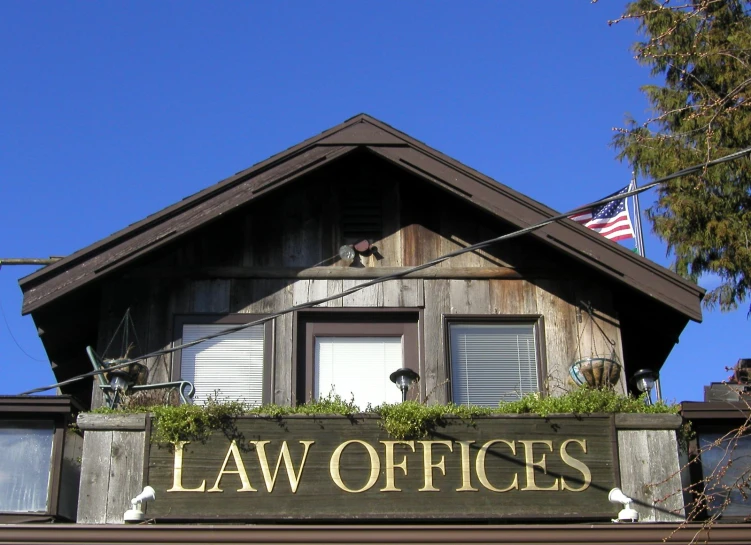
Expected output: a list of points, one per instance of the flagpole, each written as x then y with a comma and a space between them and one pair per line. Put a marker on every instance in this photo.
639, 238
637, 218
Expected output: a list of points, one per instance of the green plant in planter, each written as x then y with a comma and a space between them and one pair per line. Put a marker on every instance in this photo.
583, 401
414, 420
400, 420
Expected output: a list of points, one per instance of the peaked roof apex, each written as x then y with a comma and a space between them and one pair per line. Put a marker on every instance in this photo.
361, 130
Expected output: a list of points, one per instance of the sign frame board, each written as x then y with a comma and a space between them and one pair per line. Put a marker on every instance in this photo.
327, 468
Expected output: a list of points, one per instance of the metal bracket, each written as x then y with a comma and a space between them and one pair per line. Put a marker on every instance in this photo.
98, 364
179, 384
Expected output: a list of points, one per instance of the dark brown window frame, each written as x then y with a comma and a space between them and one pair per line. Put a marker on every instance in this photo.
181, 320
60, 411
537, 320
710, 417
354, 322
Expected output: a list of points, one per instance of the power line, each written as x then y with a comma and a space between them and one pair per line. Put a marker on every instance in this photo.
406, 272
10, 332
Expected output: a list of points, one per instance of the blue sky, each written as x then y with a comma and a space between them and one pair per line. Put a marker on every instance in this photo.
111, 111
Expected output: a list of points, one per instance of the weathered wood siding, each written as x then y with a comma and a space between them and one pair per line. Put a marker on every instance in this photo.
111, 466
301, 228
649, 463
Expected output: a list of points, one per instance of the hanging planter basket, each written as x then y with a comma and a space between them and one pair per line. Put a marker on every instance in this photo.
595, 372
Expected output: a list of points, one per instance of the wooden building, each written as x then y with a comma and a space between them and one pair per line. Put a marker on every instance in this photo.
481, 327
268, 238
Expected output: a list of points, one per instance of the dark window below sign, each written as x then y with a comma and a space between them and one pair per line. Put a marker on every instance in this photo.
725, 464
26, 447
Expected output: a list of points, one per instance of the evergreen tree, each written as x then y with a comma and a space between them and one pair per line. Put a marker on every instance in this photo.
701, 49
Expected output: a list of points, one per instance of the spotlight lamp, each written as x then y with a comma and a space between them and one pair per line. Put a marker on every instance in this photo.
644, 380
627, 514
135, 513
404, 378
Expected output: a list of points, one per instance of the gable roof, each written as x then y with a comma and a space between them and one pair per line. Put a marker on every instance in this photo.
361, 131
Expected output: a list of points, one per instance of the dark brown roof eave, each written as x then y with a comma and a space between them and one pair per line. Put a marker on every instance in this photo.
605, 533
409, 153
576, 240
190, 201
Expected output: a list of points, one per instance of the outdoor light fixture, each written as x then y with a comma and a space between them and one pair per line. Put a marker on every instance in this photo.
404, 378
121, 380
644, 380
627, 514
348, 252
135, 513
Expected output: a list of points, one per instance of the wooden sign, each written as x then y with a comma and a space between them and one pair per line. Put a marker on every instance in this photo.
330, 467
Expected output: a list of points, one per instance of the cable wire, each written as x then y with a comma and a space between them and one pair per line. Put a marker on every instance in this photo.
406, 272
18, 345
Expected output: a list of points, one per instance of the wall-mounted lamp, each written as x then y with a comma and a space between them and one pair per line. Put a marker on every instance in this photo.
135, 513
121, 380
349, 252
644, 380
627, 514
404, 378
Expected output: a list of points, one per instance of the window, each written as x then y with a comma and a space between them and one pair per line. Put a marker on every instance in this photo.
40, 469
719, 454
725, 459
493, 360
27, 459
352, 354
232, 367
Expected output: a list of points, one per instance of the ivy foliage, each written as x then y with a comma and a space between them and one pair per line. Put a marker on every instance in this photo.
700, 53
584, 401
408, 420
414, 420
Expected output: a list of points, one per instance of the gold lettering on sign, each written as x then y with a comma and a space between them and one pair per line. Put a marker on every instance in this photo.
235, 452
177, 479
390, 465
576, 464
531, 464
294, 479
466, 472
428, 465
480, 466
334, 469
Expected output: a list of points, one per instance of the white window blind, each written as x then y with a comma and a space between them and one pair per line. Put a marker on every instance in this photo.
359, 367
231, 365
492, 363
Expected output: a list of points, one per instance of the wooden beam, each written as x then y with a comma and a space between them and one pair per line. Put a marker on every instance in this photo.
28, 260
324, 272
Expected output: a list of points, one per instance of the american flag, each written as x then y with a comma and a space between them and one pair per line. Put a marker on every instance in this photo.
611, 219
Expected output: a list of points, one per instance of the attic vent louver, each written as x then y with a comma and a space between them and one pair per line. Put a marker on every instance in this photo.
361, 214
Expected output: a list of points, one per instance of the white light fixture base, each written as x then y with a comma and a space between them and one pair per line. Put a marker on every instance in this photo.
627, 515
134, 515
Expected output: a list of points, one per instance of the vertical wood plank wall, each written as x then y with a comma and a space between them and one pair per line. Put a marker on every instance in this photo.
111, 466
566, 338
299, 228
